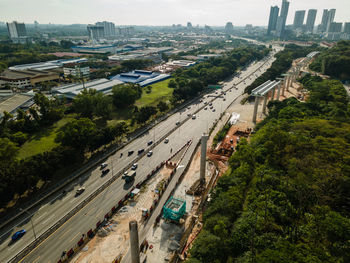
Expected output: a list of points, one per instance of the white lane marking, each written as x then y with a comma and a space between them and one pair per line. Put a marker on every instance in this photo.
49, 218
65, 233
41, 215
74, 237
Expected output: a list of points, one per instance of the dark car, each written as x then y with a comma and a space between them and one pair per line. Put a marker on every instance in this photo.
130, 153
140, 151
104, 172
149, 143
18, 235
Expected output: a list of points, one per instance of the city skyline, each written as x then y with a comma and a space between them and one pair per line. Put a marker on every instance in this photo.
152, 12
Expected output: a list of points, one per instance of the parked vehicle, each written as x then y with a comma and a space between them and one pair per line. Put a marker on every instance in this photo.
177, 123
130, 153
166, 140
206, 108
18, 235
149, 143
193, 117
149, 154
140, 151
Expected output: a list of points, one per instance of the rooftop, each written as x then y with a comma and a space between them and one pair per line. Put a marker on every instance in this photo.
48, 64
12, 103
100, 85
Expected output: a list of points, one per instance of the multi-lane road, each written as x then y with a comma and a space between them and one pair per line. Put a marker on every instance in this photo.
69, 233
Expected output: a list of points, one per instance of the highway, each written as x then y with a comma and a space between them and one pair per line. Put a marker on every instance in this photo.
68, 234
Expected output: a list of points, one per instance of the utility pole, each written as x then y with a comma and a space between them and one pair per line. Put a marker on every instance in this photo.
31, 221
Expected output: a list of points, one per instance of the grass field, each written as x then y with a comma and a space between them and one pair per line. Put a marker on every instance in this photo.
42, 141
160, 91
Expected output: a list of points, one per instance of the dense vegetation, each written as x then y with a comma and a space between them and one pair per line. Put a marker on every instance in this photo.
15, 54
335, 62
287, 195
189, 82
282, 63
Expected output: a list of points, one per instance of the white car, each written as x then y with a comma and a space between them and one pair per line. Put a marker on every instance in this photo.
166, 140
103, 165
79, 191
149, 154
193, 117
134, 166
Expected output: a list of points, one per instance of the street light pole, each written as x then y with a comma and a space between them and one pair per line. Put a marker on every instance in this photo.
30, 222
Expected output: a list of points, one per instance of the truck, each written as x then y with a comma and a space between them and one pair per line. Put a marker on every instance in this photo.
129, 177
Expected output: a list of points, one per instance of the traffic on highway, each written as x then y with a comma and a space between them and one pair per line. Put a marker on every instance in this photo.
190, 123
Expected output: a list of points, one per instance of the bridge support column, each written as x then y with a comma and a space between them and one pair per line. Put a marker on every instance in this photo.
283, 85
273, 94
255, 108
264, 104
279, 91
202, 170
134, 242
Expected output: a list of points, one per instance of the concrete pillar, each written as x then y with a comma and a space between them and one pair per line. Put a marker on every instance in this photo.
202, 171
255, 109
284, 85
289, 81
273, 94
279, 91
134, 242
264, 104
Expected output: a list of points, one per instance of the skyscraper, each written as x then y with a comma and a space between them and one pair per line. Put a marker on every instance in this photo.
17, 32
16, 29
281, 21
229, 27
299, 19
273, 19
347, 28
108, 28
331, 15
310, 21
323, 25
335, 27
96, 32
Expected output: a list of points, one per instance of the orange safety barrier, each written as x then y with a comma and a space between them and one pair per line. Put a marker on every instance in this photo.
70, 252
80, 242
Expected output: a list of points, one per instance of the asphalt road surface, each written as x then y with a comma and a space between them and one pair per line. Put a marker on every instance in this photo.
68, 234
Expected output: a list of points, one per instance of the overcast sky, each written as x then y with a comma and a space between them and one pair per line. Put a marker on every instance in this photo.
160, 12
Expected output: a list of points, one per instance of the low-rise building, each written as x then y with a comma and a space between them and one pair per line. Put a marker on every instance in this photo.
141, 77
26, 79
76, 70
70, 91
14, 102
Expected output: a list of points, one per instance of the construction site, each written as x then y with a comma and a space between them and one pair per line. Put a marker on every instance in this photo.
131, 234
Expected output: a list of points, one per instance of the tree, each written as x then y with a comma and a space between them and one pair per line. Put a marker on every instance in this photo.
78, 134
8, 152
162, 106
145, 113
124, 95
